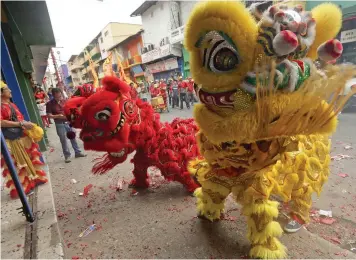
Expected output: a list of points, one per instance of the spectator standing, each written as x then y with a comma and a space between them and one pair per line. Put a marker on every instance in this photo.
190, 88
175, 93
23, 149
54, 110
183, 90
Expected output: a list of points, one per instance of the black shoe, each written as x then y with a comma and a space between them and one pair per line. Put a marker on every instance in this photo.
79, 155
67, 160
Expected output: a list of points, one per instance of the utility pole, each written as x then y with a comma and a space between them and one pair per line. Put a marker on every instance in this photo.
59, 79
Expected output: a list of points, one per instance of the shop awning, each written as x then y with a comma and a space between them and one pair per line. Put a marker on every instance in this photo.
32, 34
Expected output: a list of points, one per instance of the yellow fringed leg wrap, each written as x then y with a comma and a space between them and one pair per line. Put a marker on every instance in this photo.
211, 202
263, 231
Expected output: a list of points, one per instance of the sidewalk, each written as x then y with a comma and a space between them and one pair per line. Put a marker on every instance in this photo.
23, 240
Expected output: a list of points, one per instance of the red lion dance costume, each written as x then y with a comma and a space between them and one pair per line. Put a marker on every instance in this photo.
115, 123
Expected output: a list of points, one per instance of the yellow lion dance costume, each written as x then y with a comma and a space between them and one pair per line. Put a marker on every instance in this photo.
266, 112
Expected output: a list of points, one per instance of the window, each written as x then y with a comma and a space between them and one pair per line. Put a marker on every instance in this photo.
129, 55
106, 33
101, 39
139, 48
151, 14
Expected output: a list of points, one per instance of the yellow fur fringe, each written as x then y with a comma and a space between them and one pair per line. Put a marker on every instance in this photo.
262, 252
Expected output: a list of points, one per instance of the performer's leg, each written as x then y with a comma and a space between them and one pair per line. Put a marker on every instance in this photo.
188, 182
141, 164
211, 199
263, 231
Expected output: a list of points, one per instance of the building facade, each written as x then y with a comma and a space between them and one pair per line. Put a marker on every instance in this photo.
98, 49
129, 52
160, 57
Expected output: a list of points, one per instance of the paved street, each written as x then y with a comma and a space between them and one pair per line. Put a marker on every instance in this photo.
161, 222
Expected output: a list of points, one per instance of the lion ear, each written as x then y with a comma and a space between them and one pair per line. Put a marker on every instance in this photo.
116, 85
328, 19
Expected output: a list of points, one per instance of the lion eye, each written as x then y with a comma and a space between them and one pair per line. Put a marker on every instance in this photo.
218, 52
103, 115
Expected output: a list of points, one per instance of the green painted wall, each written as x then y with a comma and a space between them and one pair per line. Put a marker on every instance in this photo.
186, 64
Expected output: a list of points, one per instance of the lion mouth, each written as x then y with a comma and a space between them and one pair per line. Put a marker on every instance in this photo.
119, 154
120, 124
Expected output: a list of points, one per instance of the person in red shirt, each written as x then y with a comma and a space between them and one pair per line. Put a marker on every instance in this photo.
183, 91
163, 92
191, 96
24, 151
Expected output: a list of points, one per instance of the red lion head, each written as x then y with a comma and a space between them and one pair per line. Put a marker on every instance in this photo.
105, 118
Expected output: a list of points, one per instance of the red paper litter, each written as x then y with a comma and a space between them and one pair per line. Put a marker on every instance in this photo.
69, 244
87, 189
19, 245
51, 150
343, 175
341, 253
75, 257
327, 221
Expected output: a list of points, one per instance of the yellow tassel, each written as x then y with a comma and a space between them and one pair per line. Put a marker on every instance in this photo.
272, 229
269, 208
263, 252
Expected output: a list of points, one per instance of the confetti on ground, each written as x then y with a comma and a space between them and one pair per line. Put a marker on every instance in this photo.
134, 192
347, 147
327, 221
87, 189
343, 175
74, 181
340, 157
326, 213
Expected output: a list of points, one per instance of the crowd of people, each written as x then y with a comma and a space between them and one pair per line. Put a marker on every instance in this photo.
176, 92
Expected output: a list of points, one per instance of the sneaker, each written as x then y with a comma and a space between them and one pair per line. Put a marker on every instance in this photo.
292, 226
79, 155
67, 160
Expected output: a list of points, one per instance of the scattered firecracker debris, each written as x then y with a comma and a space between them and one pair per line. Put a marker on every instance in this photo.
18, 245
75, 257
230, 218
61, 215
134, 192
340, 157
343, 175
341, 253
51, 150
327, 221
347, 147
87, 189
69, 244
112, 196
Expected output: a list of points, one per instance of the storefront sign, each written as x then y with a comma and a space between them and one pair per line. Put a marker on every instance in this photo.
156, 53
177, 35
160, 66
171, 64
348, 36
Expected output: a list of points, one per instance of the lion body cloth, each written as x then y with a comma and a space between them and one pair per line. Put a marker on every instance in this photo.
266, 112
112, 122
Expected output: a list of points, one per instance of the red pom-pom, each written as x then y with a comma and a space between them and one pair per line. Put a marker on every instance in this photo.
70, 135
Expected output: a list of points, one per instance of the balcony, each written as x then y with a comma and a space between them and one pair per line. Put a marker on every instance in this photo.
132, 62
161, 52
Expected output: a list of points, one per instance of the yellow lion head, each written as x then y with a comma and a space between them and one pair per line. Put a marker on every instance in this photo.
254, 72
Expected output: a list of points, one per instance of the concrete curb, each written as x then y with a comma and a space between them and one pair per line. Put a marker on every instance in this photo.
49, 242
